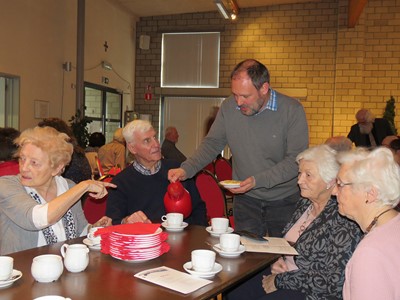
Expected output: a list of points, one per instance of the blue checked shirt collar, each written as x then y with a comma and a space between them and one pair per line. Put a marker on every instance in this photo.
271, 104
144, 171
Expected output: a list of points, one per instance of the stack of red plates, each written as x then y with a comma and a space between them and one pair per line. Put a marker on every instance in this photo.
134, 247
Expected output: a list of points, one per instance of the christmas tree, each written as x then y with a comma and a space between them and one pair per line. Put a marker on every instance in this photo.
390, 113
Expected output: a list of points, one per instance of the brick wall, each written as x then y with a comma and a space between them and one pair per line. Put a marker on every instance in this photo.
305, 46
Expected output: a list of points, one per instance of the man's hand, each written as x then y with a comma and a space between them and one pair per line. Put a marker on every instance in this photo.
103, 222
176, 174
245, 186
136, 217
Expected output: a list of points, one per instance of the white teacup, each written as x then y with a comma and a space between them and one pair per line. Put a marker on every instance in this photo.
47, 267
76, 257
94, 239
173, 220
219, 225
203, 260
6, 267
229, 242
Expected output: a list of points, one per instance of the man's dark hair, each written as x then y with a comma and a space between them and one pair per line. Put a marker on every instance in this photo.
257, 72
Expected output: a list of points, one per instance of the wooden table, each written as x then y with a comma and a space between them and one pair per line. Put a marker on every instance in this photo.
109, 278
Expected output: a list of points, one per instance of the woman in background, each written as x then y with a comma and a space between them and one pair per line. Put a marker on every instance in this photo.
39, 207
368, 189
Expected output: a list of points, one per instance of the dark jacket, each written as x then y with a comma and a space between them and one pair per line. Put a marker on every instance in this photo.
324, 249
381, 129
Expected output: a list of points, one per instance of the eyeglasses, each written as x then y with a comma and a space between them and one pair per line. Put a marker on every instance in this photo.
341, 185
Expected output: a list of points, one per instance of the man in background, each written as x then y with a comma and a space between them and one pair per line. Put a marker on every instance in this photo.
168, 148
113, 154
265, 131
369, 131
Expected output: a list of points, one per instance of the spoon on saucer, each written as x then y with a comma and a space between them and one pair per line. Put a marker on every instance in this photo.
213, 246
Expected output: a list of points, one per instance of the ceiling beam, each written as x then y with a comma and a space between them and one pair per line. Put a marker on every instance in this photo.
355, 9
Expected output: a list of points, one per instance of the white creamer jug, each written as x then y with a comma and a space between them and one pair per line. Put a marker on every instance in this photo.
76, 257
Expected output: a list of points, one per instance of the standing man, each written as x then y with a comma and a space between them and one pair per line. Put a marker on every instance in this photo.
168, 148
265, 131
369, 131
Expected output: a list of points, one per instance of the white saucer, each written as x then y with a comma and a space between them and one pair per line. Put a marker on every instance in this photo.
230, 184
209, 230
174, 229
188, 268
15, 276
89, 243
231, 254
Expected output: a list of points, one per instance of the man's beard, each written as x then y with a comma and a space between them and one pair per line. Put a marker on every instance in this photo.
366, 128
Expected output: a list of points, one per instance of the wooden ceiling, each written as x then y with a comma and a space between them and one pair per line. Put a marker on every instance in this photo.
143, 8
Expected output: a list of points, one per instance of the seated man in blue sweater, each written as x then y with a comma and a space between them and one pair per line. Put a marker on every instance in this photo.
143, 184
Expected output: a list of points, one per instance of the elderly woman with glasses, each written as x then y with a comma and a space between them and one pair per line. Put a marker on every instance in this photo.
368, 189
323, 238
38, 206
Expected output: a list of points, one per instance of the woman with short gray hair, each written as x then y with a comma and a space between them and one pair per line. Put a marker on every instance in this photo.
368, 189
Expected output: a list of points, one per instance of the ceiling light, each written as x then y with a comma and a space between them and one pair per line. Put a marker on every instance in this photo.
222, 9
235, 9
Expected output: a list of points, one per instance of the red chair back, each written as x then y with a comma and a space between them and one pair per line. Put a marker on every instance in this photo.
223, 169
210, 167
93, 208
212, 194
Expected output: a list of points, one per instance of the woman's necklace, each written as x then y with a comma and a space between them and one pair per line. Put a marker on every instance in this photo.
303, 225
375, 220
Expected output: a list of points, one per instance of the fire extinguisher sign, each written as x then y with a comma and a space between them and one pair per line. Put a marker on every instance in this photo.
148, 93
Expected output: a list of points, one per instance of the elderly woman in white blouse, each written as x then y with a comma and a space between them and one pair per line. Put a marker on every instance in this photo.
38, 207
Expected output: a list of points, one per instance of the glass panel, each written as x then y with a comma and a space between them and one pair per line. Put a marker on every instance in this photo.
113, 106
93, 103
111, 126
190, 60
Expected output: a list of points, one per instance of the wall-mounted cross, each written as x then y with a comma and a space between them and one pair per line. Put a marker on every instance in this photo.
105, 46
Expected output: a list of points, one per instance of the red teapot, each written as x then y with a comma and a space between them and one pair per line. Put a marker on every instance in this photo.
177, 199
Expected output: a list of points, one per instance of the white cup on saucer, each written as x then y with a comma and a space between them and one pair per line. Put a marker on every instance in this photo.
219, 225
229, 242
203, 260
94, 239
173, 220
6, 267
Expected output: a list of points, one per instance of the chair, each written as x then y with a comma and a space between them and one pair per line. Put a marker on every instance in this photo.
93, 208
212, 194
210, 167
223, 169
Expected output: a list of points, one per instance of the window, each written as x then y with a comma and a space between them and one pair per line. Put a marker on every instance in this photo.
103, 106
9, 101
190, 60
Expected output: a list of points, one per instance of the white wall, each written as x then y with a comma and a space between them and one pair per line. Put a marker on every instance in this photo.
39, 36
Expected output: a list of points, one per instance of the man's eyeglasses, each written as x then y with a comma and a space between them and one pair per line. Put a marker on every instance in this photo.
341, 185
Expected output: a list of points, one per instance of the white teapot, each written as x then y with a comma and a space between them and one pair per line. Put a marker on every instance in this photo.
76, 257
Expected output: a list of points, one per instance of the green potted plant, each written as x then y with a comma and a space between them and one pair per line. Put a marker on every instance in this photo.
79, 124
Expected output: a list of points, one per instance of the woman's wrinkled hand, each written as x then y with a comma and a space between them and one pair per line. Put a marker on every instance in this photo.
279, 266
268, 283
103, 222
98, 189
